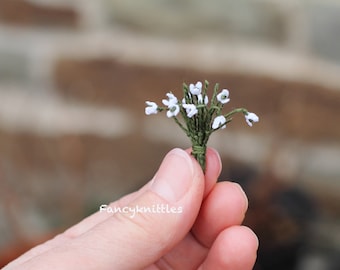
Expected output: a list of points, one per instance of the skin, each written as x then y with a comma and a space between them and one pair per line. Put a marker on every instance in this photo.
207, 234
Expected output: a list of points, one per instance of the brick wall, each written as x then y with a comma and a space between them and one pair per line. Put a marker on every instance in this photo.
74, 76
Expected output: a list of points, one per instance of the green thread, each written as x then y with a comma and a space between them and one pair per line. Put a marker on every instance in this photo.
198, 150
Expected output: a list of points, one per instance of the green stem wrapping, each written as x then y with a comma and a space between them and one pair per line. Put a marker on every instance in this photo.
199, 145
199, 153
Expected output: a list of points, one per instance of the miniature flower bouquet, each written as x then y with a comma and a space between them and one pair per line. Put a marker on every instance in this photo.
199, 119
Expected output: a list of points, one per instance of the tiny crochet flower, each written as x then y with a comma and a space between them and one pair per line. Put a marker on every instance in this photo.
251, 118
171, 100
223, 96
199, 119
152, 108
218, 122
195, 89
191, 109
172, 104
173, 110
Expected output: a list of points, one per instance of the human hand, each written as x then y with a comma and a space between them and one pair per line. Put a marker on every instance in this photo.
205, 233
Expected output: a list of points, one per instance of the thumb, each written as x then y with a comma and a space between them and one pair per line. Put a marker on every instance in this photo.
167, 212
136, 235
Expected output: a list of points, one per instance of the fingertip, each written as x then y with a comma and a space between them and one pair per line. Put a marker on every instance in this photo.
238, 246
175, 177
224, 207
235, 248
253, 240
213, 153
214, 163
243, 195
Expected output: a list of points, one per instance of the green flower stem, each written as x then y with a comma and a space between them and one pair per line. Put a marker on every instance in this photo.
181, 126
238, 110
213, 99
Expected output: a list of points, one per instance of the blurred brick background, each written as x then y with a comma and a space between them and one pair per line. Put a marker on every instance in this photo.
74, 76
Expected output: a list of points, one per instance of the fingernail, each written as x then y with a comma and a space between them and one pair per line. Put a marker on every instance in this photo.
174, 176
217, 155
244, 195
